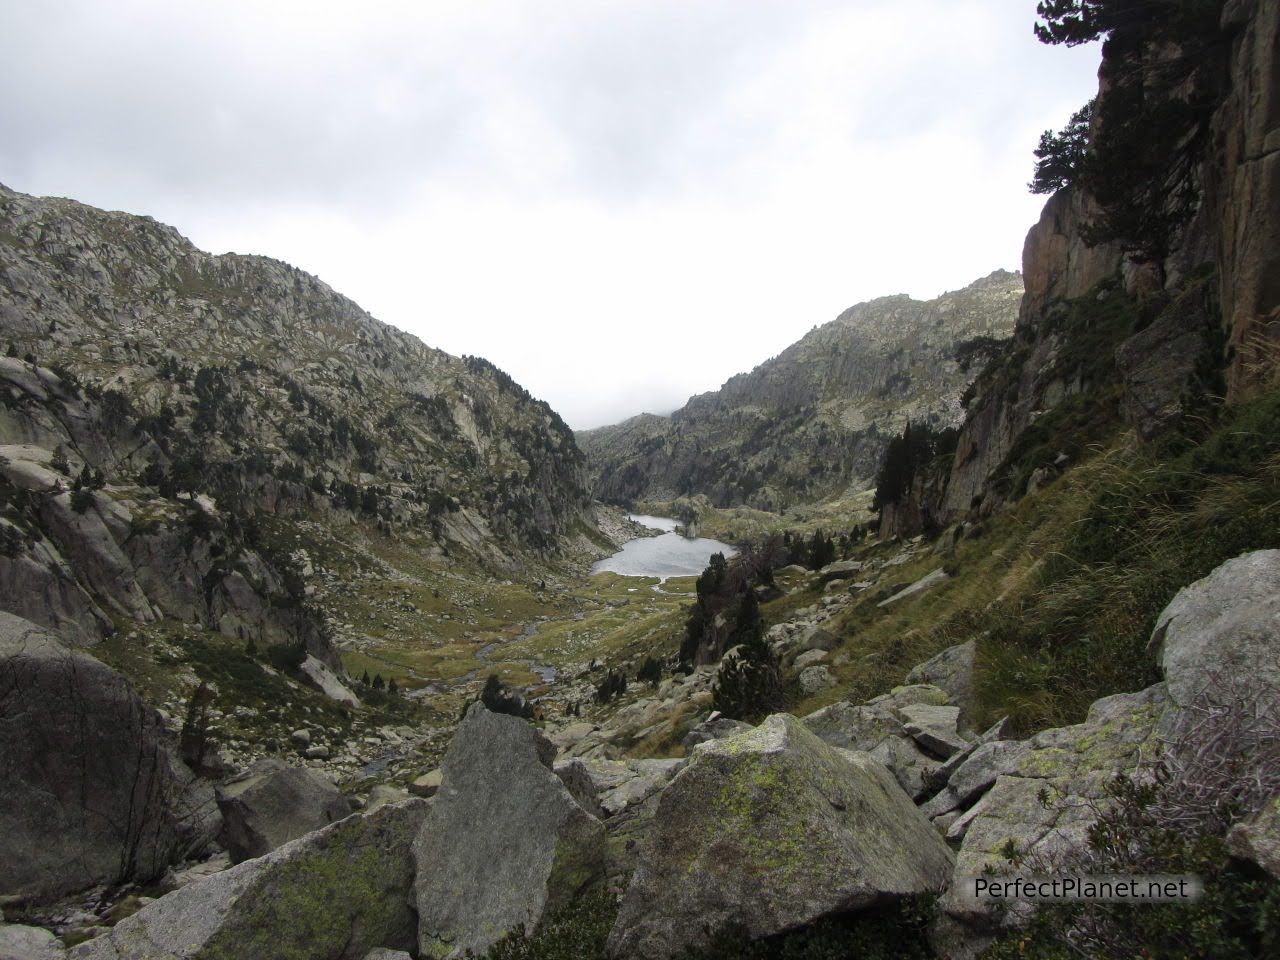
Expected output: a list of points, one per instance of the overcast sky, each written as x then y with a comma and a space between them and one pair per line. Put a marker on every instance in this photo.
619, 202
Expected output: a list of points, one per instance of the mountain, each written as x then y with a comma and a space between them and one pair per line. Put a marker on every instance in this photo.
816, 418
256, 382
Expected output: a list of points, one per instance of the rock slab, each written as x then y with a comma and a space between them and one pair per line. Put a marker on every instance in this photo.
772, 829
274, 804
505, 842
91, 792
334, 894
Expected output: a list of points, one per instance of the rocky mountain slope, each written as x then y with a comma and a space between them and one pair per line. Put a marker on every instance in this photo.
815, 419
255, 382
1144, 307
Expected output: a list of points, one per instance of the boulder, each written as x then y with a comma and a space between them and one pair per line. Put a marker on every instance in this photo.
318, 674
427, 784
816, 638
952, 672
911, 767
273, 804
987, 763
924, 583
384, 954
92, 794
810, 658
716, 729
934, 728
1222, 630
334, 894
29, 943
1070, 767
383, 794
505, 842
1258, 838
773, 829
813, 679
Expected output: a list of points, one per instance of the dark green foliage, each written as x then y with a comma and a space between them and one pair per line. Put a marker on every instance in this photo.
286, 658
650, 671
893, 932
500, 698
578, 931
1140, 163
1060, 157
194, 741
822, 551
749, 686
613, 685
909, 455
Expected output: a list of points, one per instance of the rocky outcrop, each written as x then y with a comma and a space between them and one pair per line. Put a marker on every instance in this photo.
92, 793
1046, 804
773, 829
1244, 193
29, 943
1222, 630
334, 894
505, 842
882, 727
273, 804
817, 417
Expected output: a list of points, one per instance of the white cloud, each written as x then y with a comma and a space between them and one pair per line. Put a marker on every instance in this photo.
620, 203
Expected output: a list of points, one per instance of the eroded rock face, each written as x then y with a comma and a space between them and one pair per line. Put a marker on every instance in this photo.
772, 829
274, 804
505, 842
91, 792
334, 894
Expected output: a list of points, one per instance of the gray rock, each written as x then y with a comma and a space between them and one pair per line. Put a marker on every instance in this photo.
910, 766
273, 804
840, 570
300, 738
952, 672
1071, 768
91, 793
384, 954
817, 638
924, 583
716, 729
813, 679
809, 658
934, 728
29, 943
773, 829
334, 894
1258, 838
1222, 630
977, 774
505, 841
383, 794
327, 682
427, 784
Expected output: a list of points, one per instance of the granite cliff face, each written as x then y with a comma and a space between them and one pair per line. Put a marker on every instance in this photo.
1108, 339
815, 419
252, 381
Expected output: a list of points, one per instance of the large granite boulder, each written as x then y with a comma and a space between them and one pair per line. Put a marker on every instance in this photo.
91, 794
273, 804
878, 728
1044, 806
505, 842
334, 894
1222, 631
29, 943
773, 829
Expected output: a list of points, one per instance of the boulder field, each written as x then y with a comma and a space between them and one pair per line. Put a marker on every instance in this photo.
765, 828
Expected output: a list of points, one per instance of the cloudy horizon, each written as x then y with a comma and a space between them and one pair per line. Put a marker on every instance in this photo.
620, 204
